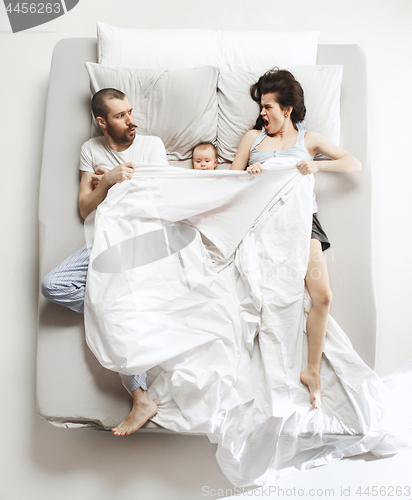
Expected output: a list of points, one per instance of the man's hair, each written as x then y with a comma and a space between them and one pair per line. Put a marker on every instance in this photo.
205, 145
100, 98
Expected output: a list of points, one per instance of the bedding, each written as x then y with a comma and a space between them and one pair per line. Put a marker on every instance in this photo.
183, 108
179, 106
72, 388
200, 276
190, 48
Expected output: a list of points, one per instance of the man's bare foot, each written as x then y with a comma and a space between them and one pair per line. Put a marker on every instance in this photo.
143, 409
311, 378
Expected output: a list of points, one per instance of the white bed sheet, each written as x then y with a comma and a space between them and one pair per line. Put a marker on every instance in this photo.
225, 329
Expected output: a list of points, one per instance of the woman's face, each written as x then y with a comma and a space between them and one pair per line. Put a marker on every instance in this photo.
273, 115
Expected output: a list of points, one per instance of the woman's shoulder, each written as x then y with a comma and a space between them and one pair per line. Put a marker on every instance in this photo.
317, 143
310, 134
313, 138
248, 139
251, 135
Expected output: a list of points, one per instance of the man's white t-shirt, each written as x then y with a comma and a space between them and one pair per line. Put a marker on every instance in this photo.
144, 149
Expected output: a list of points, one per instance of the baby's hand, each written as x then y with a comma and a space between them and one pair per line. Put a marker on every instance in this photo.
255, 168
307, 167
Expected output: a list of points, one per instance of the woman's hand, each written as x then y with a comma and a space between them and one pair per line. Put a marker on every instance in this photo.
255, 168
97, 177
307, 167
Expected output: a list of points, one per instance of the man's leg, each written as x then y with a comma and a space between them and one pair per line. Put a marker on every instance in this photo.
66, 284
144, 408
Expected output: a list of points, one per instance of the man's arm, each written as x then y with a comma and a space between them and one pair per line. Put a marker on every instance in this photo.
96, 177
89, 198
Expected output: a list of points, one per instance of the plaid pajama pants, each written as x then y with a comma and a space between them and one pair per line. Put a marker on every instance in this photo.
66, 284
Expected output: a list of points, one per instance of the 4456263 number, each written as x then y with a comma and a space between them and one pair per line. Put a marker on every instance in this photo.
384, 491
35, 8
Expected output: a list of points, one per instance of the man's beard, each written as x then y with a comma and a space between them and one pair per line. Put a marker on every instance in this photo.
121, 137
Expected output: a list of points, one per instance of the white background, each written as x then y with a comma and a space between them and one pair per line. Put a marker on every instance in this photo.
40, 461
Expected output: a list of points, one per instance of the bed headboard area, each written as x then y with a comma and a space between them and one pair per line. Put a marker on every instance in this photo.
214, 105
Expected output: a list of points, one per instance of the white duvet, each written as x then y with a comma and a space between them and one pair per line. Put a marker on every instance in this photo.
198, 276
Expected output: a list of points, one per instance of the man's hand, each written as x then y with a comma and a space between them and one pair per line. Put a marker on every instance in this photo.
122, 172
96, 178
255, 168
308, 167
94, 186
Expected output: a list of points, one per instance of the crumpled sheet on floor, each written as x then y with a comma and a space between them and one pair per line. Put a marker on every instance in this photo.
198, 276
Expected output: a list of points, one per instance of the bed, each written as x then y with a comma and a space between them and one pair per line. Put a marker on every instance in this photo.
94, 397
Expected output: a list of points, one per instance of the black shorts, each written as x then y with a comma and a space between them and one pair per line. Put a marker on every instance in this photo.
319, 234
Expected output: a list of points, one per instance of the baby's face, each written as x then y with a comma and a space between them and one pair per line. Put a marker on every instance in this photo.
204, 158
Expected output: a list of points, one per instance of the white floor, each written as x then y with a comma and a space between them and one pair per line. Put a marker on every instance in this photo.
80, 464
348, 478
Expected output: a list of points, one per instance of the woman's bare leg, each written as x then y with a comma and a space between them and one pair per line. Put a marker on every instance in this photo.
317, 283
143, 409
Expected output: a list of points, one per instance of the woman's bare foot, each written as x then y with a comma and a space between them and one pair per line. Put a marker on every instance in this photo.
143, 409
311, 378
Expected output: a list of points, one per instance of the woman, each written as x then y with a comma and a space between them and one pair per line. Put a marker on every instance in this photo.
280, 132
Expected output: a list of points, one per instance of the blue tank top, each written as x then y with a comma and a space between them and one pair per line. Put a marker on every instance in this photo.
297, 151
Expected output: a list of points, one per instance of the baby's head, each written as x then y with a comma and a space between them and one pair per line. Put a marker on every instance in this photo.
204, 156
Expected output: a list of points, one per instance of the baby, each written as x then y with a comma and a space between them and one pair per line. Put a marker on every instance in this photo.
204, 156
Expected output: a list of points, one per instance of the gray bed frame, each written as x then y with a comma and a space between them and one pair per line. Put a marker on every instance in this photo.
72, 388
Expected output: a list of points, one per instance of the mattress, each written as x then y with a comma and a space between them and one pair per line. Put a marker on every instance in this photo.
73, 389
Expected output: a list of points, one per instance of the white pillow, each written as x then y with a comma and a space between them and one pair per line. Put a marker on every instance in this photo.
179, 106
238, 112
228, 50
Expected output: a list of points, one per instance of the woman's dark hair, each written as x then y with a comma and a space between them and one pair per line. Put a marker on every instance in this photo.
287, 90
